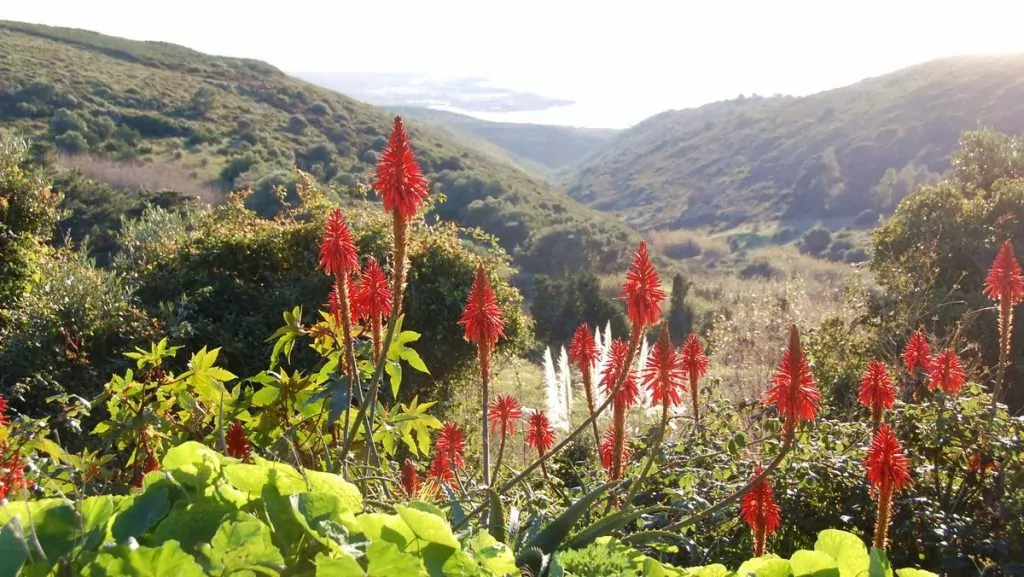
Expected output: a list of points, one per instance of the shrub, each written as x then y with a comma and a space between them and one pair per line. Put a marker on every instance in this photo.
815, 241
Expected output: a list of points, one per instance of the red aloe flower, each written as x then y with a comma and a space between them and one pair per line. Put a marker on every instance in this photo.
12, 472
642, 290
338, 249
583, 350
607, 451
451, 442
619, 359
917, 354
410, 480
482, 317
695, 363
1005, 281
583, 353
539, 433
759, 509
618, 355
399, 182
664, 373
503, 413
3, 412
440, 470
795, 393
374, 292
237, 444
876, 390
373, 300
946, 373
1005, 285
888, 472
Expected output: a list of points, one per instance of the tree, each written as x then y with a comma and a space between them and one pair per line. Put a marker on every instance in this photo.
559, 306
680, 314
932, 256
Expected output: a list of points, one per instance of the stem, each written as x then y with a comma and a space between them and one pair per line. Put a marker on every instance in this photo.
561, 445
876, 417
650, 458
543, 467
695, 393
760, 541
1005, 330
501, 452
375, 384
588, 387
484, 353
787, 444
400, 227
884, 513
376, 333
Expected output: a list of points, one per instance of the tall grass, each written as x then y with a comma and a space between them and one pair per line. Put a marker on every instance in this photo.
132, 176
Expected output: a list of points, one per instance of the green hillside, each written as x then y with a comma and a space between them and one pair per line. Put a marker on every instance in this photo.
839, 158
551, 147
222, 123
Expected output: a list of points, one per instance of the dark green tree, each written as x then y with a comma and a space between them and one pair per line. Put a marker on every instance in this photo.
680, 314
561, 305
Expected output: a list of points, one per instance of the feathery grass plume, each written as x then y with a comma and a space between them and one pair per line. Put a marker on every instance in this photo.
794, 391
237, 443
540, 435
403, 189
877, 391
641, 364
627, 397
373, 301
888, 471
1005, 285
947, 373
565, 384
484, 324
695, 363
761, 513
584, 354
554, 400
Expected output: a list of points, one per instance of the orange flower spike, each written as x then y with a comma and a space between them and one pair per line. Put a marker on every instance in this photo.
695, 363
503, 413
888, 471
338, 249
877, 391
1005, 283
947, 373
794, 391
642, 291
917, 354
664, 374
400, 183
761, 513
236, 443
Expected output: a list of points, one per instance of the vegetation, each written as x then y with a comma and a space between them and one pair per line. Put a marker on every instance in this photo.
841, 157
230, 123
327, 456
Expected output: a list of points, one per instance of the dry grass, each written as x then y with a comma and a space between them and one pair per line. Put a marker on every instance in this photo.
134, 176
684, 244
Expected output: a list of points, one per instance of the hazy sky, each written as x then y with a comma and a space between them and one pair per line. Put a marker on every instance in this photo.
624, 61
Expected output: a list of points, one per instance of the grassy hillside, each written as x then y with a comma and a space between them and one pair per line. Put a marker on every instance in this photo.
221, 123
838, 158
551, 147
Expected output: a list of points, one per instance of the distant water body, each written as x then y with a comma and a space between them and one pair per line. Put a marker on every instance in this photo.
581, 114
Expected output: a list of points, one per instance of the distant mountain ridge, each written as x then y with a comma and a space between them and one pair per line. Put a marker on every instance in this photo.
835, 155
232, 122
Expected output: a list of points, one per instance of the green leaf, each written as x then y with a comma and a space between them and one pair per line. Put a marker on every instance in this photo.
413, 358
52, 522
496, 516
192, 464
814, 563
390, 528
387, 561
715, 570
348, 494
493, 555
342, 566
13, 549
428, 527
879, 564
265, 396
145, 511
767, 566
847, 549
191, 523
166, 561
243, 542
911, 572
551, 538
96, 514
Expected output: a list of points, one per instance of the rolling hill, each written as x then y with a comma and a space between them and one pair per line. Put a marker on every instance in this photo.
220, 123
839, 158
551, 147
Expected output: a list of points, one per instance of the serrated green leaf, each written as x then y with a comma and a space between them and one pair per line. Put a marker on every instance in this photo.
169, 560
813, 563
243, 542
342, 566
428, 527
